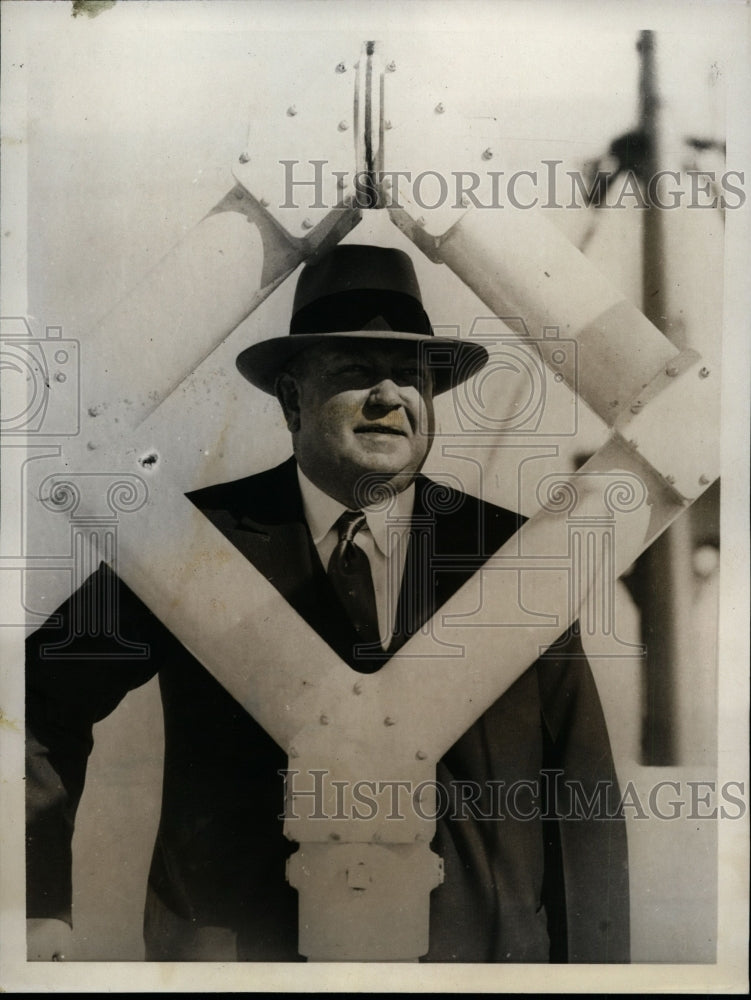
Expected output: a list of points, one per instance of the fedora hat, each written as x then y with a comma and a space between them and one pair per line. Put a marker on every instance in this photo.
358, 292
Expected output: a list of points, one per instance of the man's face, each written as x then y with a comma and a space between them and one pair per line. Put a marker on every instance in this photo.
359, 409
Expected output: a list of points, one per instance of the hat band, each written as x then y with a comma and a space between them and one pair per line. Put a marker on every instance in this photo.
362, 309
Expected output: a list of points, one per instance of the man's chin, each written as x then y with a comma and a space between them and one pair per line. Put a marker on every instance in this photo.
375, 487
386, 461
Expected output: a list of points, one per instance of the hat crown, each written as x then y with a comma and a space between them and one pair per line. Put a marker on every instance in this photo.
356, 287
352, 267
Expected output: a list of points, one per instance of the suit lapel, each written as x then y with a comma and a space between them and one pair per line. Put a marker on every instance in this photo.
452, 536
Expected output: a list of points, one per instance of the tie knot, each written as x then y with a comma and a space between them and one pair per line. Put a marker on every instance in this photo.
348, 524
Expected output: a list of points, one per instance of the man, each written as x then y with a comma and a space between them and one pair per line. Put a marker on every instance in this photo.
356, 377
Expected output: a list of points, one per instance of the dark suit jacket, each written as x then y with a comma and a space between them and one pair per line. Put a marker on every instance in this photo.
516, 889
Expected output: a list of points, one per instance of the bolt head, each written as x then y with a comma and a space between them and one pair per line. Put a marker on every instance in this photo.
388, 721
421, 755
341, 67
391, 67
439, 108
704, 373
324, 720
264, 202
487, 154
291, 111
704, 480
307, 224
387, 124
244, 157
671, 370
420, 222
357, 688
670, 479
342, 126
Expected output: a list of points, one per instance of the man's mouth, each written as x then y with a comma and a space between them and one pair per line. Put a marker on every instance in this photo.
380, 429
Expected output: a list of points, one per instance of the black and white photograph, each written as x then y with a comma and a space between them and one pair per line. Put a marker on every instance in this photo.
375, 464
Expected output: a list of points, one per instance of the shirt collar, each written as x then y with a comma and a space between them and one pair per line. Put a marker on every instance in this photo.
323, 511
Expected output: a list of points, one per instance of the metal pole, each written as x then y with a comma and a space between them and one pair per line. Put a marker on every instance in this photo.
664, 576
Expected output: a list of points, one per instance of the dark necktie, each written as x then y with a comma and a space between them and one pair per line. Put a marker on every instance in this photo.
349, 572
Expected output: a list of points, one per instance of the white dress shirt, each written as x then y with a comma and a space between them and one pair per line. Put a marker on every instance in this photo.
383, 539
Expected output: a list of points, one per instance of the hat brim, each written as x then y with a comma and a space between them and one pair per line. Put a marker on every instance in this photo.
452, 361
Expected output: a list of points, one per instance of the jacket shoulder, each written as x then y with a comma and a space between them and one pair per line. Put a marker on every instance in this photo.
267, 496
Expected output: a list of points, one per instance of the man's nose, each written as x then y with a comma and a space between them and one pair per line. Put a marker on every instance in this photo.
385, 393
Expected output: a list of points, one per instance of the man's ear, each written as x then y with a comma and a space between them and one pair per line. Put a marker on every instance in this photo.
288, 394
